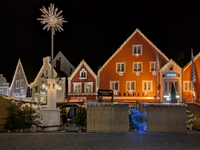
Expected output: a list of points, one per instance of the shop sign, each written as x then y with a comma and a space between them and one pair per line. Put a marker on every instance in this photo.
105, 92
171, 75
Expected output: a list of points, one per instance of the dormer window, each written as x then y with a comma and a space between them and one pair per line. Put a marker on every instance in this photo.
137, 49
83, 74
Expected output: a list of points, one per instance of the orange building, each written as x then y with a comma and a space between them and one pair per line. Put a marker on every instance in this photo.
82, 84
187, 81
130, 71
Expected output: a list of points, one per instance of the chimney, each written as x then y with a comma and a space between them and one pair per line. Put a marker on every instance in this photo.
58, 63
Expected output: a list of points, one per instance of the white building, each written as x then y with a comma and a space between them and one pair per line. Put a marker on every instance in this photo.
171, 73
4, 86
38, 93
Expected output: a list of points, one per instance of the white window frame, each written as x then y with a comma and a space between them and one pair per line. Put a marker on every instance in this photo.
136, 46
168, 87
137, 62
154, 64
83, 70
21, 83
114, 85
130, 82
147, 81
120, 69
187, 90
85, 86
17, 84
76, 84
1, 91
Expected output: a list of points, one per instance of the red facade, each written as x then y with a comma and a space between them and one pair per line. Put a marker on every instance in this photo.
82, 84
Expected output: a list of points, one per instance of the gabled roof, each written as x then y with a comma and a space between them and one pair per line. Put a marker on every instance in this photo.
78, 68
18, 64
39, 73
136, 31
190, 62
171, 60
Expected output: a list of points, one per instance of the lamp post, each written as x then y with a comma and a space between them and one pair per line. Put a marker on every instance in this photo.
52, 20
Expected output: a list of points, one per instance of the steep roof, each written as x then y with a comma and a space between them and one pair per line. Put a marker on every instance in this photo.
190, 62
78, 68
171, 60
136, 31
18, 64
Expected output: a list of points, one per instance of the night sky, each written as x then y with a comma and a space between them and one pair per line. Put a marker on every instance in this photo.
95, 30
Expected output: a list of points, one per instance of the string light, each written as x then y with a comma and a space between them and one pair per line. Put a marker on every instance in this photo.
115, 92
120, 73
52, 19
137, 73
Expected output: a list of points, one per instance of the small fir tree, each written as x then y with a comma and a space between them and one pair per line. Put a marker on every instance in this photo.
11, 120
80, 117
189, 119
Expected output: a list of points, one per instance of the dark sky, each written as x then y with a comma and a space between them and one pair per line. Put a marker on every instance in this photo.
95, 30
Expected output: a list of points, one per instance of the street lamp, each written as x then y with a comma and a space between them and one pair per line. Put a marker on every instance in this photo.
51, 19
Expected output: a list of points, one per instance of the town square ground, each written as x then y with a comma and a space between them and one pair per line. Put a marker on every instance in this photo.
99, 141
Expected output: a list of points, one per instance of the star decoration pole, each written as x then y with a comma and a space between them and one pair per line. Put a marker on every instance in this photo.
53, 20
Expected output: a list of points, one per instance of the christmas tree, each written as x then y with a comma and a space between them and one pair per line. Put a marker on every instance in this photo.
189, 119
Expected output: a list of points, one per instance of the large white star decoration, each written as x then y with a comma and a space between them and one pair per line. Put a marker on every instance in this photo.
52, 19
154, 73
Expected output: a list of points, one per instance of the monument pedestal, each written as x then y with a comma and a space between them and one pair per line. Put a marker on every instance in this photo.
51, 116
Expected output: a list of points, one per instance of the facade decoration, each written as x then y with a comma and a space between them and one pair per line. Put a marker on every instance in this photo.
19, 84
82, 84
136, 60
4, 85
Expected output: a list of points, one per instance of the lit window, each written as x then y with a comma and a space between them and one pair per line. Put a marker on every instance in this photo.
130, 85
83, 74
88, 87
187, 86
137, 49
120, 67
147, 85
168, 85
77, 87
114, 85
17, 84
21, 83
137, 66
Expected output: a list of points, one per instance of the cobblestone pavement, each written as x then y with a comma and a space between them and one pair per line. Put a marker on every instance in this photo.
99, 141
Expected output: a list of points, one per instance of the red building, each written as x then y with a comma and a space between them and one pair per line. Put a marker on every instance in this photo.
130, 71
82, 84
187, 81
